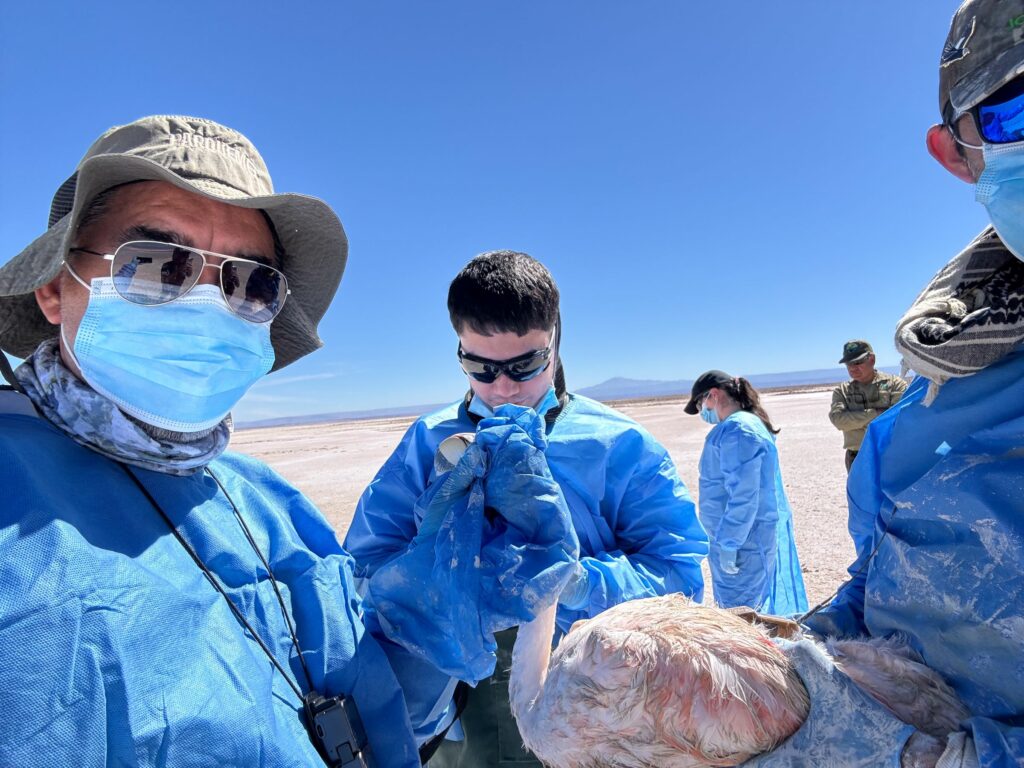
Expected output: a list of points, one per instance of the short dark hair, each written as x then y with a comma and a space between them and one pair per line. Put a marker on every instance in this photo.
503, 292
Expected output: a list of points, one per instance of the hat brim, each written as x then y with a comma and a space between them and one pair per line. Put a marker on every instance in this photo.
978, 86
857, 359
314, 242
692, 407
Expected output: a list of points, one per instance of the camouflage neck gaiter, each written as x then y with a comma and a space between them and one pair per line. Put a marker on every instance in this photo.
91, 420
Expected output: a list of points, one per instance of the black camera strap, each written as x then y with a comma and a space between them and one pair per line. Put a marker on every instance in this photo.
270, 573
8, 373
333, 722
460, 698
217, 585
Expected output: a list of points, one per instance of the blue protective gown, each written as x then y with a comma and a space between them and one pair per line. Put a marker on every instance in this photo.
744, 508
939, 490
638, 532
117, 650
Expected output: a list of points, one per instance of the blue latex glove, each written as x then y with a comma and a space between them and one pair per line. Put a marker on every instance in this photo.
495, 545
845, 727
727, 561
576, 593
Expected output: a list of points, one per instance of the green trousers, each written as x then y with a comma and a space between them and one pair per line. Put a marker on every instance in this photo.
492, 738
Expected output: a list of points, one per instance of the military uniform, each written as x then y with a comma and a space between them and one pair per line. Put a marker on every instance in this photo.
854, 405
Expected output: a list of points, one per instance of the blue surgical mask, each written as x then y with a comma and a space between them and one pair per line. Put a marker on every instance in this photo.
1000, 189
180, 366
710, 415
549, 401
479, 408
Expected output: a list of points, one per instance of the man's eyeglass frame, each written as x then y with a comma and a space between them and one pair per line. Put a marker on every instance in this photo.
283, 292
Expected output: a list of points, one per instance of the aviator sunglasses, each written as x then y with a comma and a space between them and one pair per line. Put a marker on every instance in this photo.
521, 368
152, 273
999, 119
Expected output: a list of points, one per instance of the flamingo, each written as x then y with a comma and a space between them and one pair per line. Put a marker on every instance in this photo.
666, 682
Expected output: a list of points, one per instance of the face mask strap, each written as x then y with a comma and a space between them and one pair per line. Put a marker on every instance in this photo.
63, 337
70, 349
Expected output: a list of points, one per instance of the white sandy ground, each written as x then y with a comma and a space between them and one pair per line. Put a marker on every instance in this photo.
333, 463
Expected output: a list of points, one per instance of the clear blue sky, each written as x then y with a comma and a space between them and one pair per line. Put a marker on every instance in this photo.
740, 186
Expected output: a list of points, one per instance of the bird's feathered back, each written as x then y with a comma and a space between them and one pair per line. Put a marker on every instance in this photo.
663, 682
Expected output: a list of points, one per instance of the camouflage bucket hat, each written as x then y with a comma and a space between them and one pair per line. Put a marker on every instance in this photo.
983, 52
208, 159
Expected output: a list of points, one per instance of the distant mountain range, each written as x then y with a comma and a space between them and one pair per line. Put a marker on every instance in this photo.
617, 388
628, 389
324, 418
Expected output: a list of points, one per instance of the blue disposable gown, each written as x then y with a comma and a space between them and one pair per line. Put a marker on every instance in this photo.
744, 508
116, 649
939, 490
638, 532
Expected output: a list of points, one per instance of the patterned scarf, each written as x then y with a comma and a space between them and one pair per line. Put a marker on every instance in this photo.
969, 316
91, 420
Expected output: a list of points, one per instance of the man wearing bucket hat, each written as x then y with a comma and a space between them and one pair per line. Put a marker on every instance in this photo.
937, 492
868, 393
163, 602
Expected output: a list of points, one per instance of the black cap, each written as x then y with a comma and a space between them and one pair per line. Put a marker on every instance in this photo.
855, 351
706, 381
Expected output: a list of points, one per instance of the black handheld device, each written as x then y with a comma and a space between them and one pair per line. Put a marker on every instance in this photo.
336, 730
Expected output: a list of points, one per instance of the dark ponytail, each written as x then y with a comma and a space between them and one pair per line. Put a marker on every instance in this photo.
743, 392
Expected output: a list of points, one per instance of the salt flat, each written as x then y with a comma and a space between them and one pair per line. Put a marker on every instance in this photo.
333, 463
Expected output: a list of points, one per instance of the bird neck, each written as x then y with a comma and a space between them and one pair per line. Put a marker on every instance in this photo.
530, 658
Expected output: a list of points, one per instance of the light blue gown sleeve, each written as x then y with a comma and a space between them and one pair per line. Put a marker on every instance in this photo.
384, 521
426, 689
741, 456
998, 745
382, 528
660, 540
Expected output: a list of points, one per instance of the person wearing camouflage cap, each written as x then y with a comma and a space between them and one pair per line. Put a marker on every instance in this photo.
164, 602
936, 495
855, 403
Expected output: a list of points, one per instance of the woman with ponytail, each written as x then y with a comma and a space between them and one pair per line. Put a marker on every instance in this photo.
743, 505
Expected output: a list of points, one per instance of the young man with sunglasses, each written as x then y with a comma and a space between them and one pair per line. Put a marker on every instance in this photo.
638, 532
937, 492
163, 602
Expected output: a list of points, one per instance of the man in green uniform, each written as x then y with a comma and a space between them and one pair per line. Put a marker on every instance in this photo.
856, 402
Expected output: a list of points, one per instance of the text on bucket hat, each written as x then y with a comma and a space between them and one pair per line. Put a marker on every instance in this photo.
204, 158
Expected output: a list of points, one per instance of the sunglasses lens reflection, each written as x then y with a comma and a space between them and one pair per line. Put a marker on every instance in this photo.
252, 290
528, 369
156, 273
521, 370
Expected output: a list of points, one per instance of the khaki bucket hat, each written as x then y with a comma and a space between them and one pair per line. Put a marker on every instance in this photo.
208, 159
